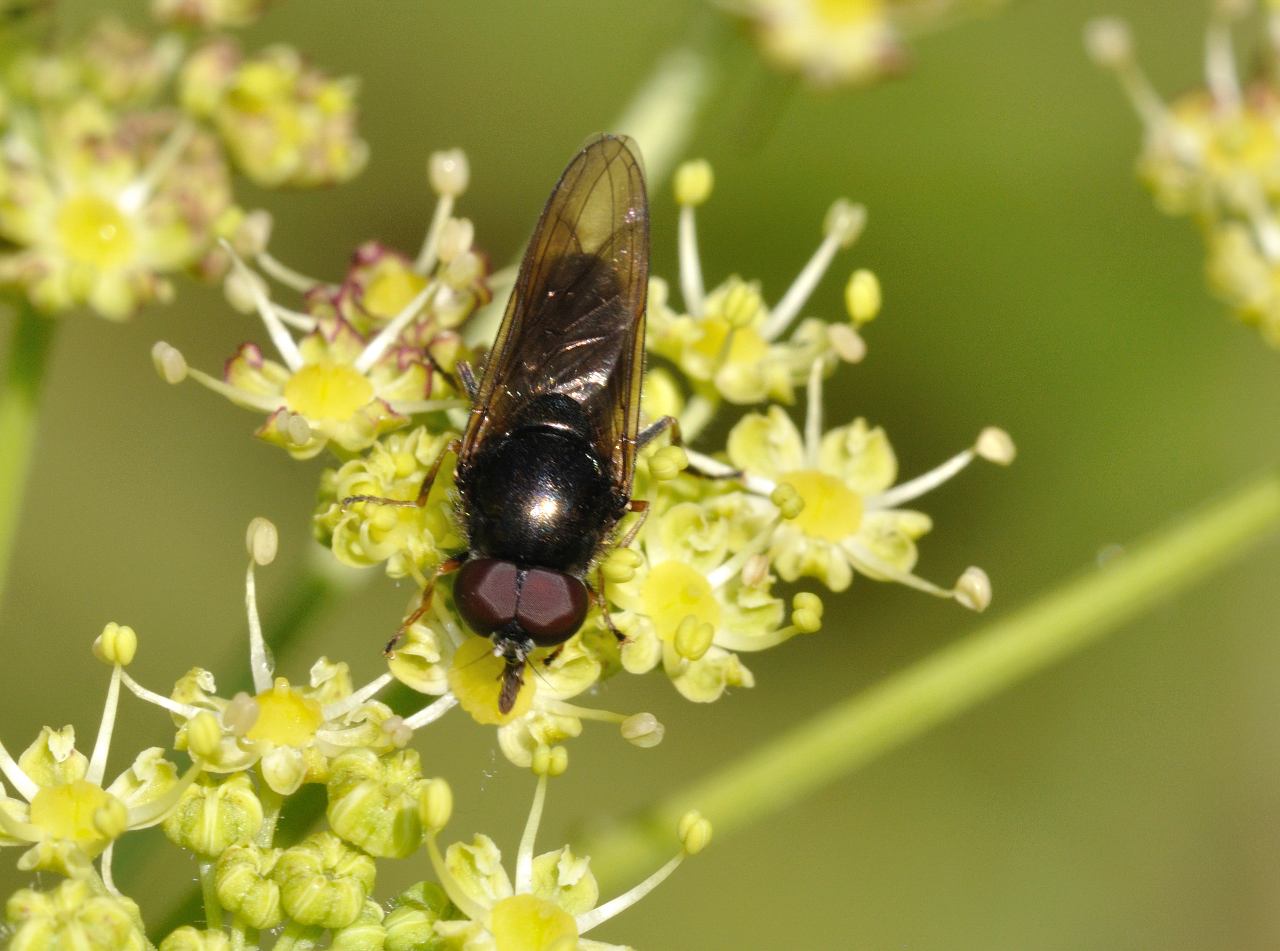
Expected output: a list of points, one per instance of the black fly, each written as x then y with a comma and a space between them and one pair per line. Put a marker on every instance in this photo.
545, 467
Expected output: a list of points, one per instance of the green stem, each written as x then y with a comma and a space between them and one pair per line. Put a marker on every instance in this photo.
28, 357
212, 907
907, 704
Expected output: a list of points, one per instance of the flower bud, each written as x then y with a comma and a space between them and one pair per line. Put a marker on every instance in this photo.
211, 816
374, 801
324, 882
244, 885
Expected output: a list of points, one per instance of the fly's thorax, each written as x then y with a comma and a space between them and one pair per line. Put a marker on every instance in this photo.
539, 495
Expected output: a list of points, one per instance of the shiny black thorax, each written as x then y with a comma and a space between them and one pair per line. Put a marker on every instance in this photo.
539, 494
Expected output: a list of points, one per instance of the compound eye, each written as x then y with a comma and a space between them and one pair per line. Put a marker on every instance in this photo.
552, 606
485, 592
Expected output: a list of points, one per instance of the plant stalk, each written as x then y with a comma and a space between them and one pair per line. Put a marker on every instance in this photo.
30, 346
905, 705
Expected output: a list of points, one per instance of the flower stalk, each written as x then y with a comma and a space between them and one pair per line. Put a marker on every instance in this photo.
939, 688
30, 346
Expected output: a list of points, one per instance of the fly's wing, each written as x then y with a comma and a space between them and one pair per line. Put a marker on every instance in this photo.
575, 322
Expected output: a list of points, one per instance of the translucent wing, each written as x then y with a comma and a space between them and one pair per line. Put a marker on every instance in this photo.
575, 322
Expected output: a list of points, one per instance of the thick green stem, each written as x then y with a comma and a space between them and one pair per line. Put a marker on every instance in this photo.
951, 681
28, 356
212, 907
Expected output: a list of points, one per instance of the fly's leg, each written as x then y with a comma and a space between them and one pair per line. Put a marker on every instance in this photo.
423, 492
641, 507
659, 426
597, 595
468, 378
424, 604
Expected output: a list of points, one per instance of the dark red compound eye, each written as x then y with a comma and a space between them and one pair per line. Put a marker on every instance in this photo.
486, 594
552, 606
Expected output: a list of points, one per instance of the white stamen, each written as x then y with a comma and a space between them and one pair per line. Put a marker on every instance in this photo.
755, 484
107, 880
22, 831
185, 710
431, 712
813, 415
602, 913
138, 193
841, 230
429, 253
154, 812
98, 760
464, 902
284, 274
565, 709
1220, 62
296, 319
870, 565
524, 857
260, 664
891, 498
285, 344
263, 402
691, 286
380, 344
24, 784
344, 706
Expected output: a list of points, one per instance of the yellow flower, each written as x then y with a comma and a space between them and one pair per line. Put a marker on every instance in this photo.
1214, 154
101, 206
284, 122
411, 539
375, 349
63, 810
292, 733
849, 513
728, 342
208, 13
697, 596
845, 42
552, 899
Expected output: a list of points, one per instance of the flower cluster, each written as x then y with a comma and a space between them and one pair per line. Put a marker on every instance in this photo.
1213, 155
845, 42
109, 185
700, 582
248, 754
374, 349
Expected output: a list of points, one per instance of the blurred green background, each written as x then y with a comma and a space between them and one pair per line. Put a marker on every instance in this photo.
1129, 798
